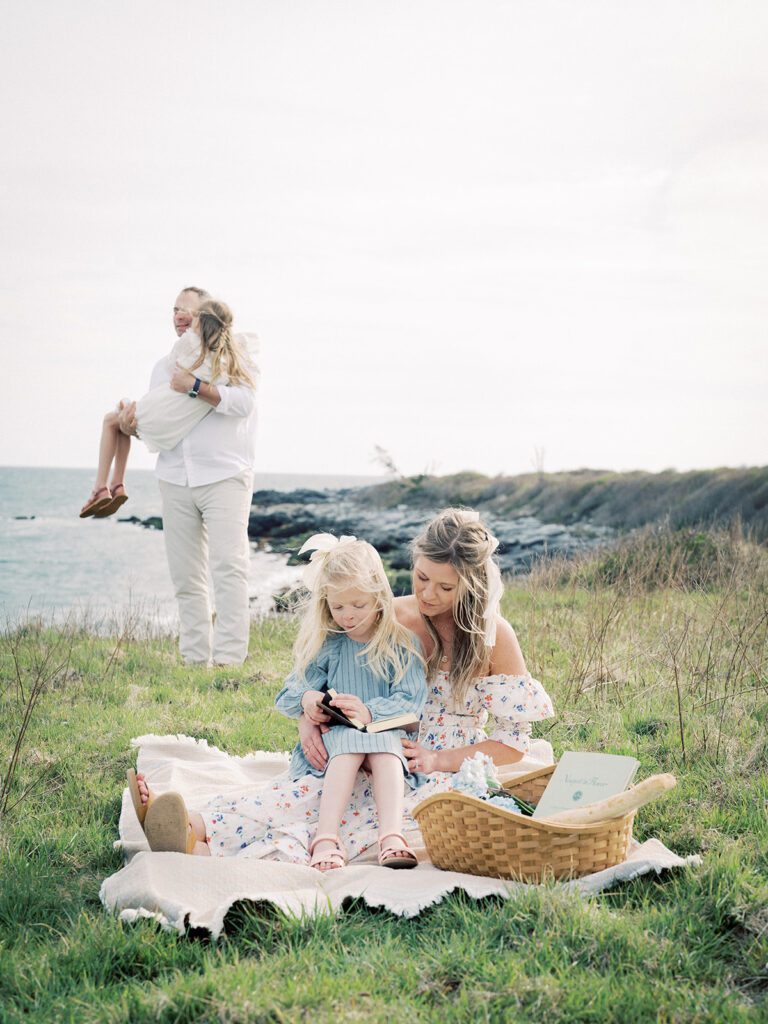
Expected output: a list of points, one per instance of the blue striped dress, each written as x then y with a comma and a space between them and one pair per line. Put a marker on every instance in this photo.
339, 666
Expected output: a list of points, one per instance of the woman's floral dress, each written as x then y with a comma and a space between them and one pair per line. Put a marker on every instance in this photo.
278, 820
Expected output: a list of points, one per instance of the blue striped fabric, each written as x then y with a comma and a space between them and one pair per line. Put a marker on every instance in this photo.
339, 666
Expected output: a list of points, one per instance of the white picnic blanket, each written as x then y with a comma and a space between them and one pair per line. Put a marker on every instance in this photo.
180, 891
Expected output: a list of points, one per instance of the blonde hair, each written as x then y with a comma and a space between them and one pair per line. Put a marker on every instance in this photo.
457, 537
355, 563
215, 329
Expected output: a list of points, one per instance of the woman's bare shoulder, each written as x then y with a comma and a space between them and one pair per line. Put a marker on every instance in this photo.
407, 611
507, 658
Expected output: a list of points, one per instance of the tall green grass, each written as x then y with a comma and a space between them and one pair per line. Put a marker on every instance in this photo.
640, 657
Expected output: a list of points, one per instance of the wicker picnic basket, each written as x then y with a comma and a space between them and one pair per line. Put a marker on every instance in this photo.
462, 833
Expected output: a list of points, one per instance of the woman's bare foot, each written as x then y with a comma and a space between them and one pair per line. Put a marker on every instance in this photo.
144, 791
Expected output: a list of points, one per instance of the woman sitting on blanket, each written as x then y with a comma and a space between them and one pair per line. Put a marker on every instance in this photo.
475, 670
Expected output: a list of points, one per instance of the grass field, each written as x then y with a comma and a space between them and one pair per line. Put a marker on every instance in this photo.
667, 663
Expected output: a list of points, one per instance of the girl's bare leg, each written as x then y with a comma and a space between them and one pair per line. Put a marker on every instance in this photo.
110, 431
122, 448
387, 772
338, 783
195, 820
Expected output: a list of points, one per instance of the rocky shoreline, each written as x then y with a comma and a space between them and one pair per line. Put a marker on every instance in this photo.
282, 520
285, 520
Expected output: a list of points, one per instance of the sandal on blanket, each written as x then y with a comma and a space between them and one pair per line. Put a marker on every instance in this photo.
167, 826
164, 819
100, 498
392, 856
335, 858
114, 504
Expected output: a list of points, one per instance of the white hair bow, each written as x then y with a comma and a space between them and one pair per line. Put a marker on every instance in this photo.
495, 588
321, 545
492, 608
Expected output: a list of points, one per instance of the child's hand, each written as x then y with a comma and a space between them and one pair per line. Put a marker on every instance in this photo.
419, 758
352, 707
310, 703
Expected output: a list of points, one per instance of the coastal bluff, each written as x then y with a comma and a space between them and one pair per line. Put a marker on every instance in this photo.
533, 514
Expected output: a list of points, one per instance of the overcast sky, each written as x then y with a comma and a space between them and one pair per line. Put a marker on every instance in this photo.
464, 231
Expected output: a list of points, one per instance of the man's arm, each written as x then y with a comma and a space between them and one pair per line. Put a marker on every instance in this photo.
230, 401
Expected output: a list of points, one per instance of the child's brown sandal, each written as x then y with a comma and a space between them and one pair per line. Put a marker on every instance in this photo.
95, 503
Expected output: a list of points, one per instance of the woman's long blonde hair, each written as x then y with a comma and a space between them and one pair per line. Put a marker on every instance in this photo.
457, 537
215, 329
355, 563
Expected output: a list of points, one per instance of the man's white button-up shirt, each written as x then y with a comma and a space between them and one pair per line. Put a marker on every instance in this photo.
223, 443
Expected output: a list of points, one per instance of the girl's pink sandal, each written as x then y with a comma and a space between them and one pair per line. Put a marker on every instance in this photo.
100, 498
336, 858
398, 857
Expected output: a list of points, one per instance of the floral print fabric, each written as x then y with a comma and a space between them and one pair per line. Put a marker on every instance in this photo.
278, 821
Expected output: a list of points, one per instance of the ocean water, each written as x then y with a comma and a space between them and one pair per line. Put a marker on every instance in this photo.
54, 564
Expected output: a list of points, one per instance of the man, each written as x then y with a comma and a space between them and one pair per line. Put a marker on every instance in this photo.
206, 485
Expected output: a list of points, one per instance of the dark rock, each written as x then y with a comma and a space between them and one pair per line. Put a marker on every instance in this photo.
302, 496
150, 523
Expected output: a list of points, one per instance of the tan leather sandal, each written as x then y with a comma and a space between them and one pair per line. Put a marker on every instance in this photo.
398, 857
164, 819
167, 825
335, 858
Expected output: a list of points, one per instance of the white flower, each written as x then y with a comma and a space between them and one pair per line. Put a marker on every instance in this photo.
477, 776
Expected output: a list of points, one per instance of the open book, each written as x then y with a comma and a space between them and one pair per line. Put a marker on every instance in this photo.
407, 720
583, 778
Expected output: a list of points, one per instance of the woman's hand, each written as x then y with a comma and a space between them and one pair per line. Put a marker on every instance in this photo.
419, 758
311, 705
182, 380
312, 744
352, 707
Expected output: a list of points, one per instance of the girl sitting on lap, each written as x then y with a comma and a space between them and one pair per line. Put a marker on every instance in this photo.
350, 641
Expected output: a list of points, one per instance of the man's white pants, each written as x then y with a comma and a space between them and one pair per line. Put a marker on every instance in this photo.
208, 527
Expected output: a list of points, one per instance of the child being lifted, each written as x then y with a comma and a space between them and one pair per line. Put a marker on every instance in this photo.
210, 352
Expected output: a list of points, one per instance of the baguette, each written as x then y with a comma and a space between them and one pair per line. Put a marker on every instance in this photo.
615, 806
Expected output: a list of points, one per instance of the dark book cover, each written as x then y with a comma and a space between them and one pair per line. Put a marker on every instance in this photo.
336, 714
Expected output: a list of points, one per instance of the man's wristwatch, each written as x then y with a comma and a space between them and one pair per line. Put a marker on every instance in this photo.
194, 391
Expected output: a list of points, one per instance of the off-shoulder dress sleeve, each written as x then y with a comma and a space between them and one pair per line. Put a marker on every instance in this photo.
513, 703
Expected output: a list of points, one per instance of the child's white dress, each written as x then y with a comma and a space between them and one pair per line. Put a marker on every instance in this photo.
165, 416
